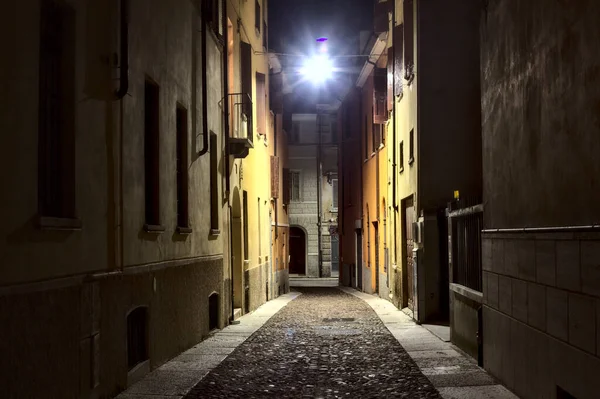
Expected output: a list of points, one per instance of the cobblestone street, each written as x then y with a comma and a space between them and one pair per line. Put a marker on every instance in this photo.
325, 343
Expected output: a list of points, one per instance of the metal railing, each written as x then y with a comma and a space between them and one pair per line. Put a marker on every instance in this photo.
240, 116
464, 233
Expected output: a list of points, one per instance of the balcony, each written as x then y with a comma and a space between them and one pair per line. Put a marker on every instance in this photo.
241, 137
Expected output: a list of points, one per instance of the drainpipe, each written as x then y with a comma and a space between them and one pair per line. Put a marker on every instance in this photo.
203, 51
394, 138
225, 72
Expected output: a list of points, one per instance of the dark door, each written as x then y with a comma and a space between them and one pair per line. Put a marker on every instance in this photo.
297, 251
408, 271
335, 256
376, 226
359, 259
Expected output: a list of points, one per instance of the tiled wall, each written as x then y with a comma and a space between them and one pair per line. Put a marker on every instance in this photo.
542, 312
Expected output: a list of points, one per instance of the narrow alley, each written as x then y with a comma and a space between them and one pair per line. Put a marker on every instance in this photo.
300, 199
323, 343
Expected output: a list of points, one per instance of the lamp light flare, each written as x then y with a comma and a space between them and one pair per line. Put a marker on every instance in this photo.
317, 68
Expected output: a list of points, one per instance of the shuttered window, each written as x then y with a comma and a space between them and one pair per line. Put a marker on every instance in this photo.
151, 153
398, 60
274, 176
214, 183
334, 185
409, 39
295, 186
380, 95
390, 78
181, 166
286, 186
56, 124
247, 75
261, 104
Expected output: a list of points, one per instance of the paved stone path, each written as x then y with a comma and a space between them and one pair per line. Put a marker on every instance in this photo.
324, 344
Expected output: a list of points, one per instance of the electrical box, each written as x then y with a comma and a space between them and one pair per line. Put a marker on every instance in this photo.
417, 232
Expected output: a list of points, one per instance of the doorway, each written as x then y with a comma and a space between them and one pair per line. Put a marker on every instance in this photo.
335, 256
408, 214
237, 243
359, 259
297, 251
376, 228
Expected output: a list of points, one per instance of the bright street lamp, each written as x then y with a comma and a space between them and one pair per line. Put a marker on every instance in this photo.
317, 69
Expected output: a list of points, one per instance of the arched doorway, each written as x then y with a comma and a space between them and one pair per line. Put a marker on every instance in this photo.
297, 250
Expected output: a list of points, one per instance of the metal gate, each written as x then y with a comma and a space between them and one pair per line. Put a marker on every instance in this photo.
464, 230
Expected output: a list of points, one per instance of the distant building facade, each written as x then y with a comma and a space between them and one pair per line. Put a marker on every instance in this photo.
313, 195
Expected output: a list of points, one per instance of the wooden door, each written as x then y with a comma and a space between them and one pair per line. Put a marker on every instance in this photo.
409, 218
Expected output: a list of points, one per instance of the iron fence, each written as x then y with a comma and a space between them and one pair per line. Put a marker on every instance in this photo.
464, 247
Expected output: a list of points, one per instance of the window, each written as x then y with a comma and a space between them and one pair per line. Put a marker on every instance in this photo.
295, 186
408, 38
212, 11
401, 166
257, 17
56, 125
411, 147
295, 136
274, 176
377, 136
137, 337
334, 187
181, 167
214, 184
286, 186
261, 103
151, 153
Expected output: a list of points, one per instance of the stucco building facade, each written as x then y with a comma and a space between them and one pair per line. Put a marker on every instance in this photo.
117, 246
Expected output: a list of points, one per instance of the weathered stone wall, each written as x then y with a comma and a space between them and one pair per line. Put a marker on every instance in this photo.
541, 88
540, 81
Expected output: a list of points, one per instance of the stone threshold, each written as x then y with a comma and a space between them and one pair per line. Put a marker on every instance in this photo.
174, 379
454, 375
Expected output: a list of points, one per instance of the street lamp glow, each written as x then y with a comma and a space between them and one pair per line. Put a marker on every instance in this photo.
317, 68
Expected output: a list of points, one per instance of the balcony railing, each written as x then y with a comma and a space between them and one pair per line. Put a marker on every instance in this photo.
241, 137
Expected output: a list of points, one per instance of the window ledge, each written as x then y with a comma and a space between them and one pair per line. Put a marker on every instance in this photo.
154, 229
55, 223
184, 230
215, 232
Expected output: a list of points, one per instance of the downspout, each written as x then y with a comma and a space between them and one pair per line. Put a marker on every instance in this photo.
225, 72
203, 51
394, 138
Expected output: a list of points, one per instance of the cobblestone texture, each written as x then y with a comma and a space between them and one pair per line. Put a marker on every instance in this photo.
324, 344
